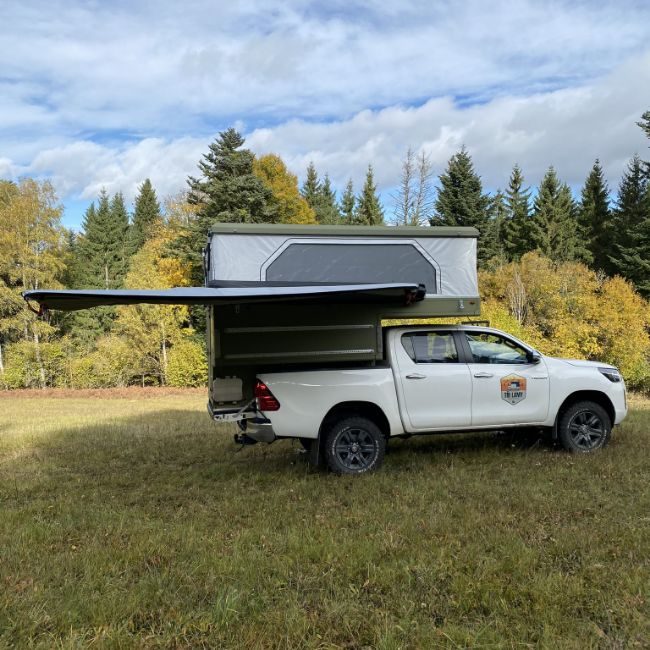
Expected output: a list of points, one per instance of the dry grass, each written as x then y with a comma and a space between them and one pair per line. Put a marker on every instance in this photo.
133, 521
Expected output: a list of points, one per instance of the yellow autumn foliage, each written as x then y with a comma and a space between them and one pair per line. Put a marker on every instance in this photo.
569, 310
291, 206
153, 330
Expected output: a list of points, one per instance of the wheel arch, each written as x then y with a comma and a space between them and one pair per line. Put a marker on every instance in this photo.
586, 396
369, 410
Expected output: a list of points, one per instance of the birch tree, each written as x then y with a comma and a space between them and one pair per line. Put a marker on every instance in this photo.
32, 246
414, 197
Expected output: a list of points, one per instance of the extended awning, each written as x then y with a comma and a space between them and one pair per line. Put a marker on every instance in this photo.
72, 300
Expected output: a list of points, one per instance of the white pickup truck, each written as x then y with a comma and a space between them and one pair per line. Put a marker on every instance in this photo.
436, 378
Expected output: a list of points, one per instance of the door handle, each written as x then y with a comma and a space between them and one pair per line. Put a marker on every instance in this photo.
483, 375
416, 375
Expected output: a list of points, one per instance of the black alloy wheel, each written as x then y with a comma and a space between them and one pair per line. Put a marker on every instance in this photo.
354, 445
584, 427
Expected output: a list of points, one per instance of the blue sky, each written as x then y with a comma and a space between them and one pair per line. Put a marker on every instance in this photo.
104, 94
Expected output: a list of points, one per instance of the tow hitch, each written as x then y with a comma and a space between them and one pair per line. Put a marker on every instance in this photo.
243, 440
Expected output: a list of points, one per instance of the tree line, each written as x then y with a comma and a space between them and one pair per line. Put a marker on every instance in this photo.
159, 246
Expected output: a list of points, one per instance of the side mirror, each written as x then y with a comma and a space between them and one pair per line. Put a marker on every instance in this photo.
534, 357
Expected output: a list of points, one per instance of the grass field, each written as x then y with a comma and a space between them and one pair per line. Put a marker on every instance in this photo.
130, 519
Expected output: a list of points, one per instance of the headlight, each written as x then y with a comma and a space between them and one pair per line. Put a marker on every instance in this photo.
611, 373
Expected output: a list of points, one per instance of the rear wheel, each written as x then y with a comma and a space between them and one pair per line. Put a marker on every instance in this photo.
354, 445
584, 427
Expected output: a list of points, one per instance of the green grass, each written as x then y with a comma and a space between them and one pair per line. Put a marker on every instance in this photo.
135, 522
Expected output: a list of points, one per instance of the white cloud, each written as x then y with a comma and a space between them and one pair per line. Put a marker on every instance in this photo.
567, 128
83, 168
104, 94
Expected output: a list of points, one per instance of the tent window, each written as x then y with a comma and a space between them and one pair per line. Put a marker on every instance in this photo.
352, 263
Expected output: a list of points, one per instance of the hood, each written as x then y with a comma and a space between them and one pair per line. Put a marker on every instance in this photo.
581, 363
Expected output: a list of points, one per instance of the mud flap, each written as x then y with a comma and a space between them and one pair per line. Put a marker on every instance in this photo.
315, 455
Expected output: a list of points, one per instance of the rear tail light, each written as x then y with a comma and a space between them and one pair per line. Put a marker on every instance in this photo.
266, 400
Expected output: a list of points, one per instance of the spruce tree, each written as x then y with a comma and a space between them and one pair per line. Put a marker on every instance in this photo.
645, 123
460, 200
595, 218
369, 210
630, 255
145, 215
493, 239
100, 261
102, 251
321, 197
516, 226
117, 260
326, 208
310, 189
554, 225
348, 201
228, 190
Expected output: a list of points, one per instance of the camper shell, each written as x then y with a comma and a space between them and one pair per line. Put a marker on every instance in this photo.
247, 338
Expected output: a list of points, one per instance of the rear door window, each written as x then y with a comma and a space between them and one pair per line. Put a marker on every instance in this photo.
430, 347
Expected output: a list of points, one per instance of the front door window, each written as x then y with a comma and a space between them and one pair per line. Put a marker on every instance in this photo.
492, 348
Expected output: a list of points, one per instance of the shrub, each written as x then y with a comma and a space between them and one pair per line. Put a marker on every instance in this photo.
187, 364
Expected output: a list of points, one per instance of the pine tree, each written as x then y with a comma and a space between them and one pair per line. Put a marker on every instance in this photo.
102, 252
347, 205
645, 123
326, 208
321, 197
554, 226
100, 261
516, 226
595, 218
118, 262
369, 210
145, 215
460, 200
227, 191
493, 239
631, 247
311, 187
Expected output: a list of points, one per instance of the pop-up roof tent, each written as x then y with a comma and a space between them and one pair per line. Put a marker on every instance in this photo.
281, 295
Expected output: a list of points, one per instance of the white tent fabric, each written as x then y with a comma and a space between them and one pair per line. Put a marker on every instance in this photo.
251, 257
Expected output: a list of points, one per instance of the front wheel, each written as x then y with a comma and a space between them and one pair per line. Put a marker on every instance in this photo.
584, 427
354, 445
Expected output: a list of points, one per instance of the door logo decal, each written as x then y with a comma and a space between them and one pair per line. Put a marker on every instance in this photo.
513, 389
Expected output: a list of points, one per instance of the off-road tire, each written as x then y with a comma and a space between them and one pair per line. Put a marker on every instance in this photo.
354, 445
584, 427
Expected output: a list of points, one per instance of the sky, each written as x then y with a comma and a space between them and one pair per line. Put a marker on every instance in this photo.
103, 94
